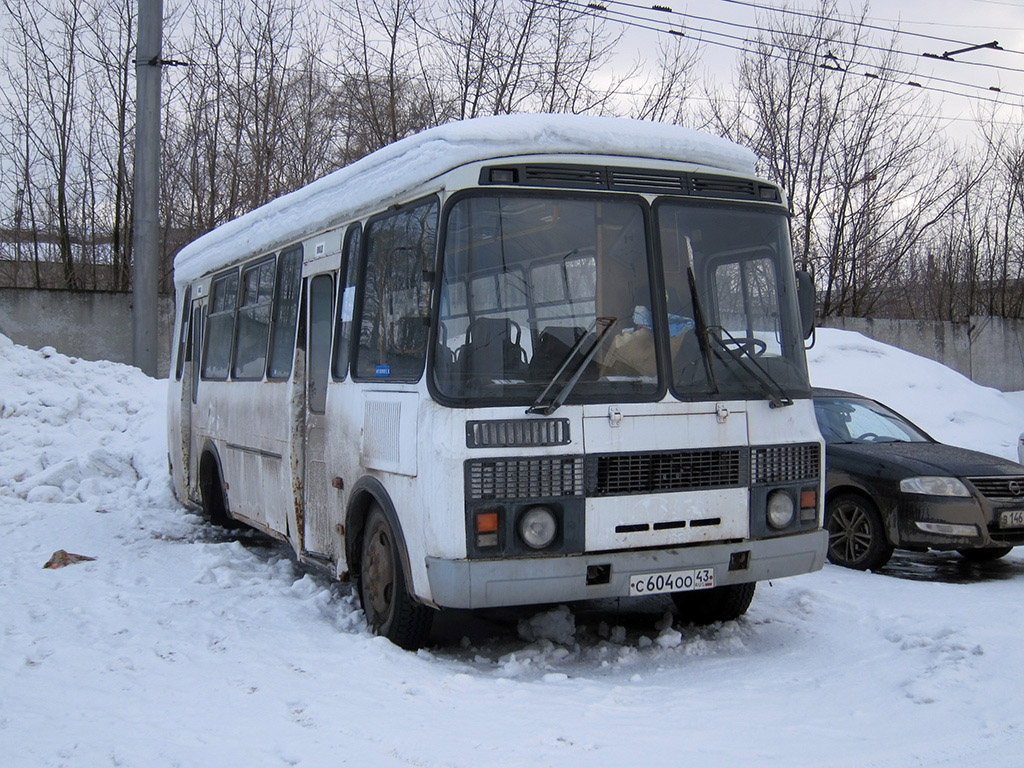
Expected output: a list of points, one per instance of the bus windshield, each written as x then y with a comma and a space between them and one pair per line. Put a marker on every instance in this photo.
735, 261
547, 299
537, 290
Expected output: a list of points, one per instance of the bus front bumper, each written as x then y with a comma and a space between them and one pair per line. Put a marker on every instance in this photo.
528, 581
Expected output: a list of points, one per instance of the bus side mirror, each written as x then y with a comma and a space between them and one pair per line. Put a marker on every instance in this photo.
805, 298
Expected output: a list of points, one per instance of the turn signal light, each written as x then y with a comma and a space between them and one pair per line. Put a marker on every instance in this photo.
486, 524
808, 504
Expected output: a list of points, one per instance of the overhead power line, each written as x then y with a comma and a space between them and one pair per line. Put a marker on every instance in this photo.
946, 56
601, 10
846, 20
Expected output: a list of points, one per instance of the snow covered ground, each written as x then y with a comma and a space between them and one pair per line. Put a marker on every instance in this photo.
185, 645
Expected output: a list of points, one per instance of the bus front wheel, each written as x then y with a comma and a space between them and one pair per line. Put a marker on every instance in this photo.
706, 606
390, 610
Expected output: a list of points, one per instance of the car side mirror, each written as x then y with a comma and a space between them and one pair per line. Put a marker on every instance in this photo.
805, 298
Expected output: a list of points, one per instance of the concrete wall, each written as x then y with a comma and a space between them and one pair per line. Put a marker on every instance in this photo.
98, 326
93, 326
988, 350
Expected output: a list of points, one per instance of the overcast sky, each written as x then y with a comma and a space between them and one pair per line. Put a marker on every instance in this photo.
974, 22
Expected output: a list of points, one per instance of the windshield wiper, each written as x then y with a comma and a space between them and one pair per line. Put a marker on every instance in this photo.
777, 396
699, 325
546, 409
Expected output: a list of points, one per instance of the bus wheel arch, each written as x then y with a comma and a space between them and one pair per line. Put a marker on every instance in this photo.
378, 561
213, 494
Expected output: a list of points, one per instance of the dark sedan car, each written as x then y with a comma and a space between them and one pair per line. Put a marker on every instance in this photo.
889, 485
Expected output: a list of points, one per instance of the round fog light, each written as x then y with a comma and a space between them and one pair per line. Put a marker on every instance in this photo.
780, 509
538, 527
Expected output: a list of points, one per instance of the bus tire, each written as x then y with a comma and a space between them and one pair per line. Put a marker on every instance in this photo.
214, 497
390, 610
706, 606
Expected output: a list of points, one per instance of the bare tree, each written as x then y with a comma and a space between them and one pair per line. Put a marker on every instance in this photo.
831, 124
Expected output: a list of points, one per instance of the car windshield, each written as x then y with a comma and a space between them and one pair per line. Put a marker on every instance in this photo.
847, 420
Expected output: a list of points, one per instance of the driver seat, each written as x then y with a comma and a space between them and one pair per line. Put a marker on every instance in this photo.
492, 350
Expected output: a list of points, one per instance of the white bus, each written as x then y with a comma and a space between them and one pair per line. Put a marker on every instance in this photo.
509, 361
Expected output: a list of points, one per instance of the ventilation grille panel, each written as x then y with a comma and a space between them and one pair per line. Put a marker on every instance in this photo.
564, 176
723, 186
539, 477
381, 438
636, 473
648, 181
785, 463
517, 433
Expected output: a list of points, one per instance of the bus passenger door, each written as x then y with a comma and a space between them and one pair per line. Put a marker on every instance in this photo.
190, 393
316, 533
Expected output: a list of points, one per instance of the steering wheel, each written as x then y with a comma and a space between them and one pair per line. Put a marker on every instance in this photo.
751, 345
867, 437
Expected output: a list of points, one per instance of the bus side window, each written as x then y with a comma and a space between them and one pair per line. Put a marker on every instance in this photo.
254, 321
286, 310
220, 327
321, 295
396, 294
346, 301
183, 349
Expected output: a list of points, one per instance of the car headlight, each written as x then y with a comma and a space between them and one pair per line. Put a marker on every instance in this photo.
934, 486
538, 527
780, 509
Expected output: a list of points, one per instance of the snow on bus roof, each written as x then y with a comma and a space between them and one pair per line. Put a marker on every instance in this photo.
391, 171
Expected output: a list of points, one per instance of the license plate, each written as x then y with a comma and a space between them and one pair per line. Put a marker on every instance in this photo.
671, 581
1011, 518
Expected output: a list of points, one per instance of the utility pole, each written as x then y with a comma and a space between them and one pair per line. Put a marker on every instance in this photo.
146, 228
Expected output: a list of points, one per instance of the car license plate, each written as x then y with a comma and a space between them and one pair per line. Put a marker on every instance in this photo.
671, 581
1011, 518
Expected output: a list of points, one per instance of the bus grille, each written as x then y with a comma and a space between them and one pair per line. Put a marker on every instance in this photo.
1008, 488
785, 463
634, 473
540, 477
517, 433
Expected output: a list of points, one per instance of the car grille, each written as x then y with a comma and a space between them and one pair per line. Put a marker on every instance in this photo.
1006, 537
785, 463
633, 473
533, 478
1006, 488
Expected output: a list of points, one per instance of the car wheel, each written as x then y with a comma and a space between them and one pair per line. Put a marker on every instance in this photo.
706, 606
986, 555
390, 610
856, 536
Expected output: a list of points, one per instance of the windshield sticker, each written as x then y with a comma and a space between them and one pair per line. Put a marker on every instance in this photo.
382, 371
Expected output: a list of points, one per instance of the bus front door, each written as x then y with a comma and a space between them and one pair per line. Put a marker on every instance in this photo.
316, 534
190, 394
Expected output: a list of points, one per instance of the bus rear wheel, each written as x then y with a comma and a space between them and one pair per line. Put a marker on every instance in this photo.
214, 497
706, 606
390, 610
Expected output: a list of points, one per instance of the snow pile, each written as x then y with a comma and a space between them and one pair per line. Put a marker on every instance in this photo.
183, 644
74, 431
557, 625
946, 404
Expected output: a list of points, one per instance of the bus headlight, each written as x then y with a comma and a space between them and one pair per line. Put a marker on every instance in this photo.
780, 509
538, 527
